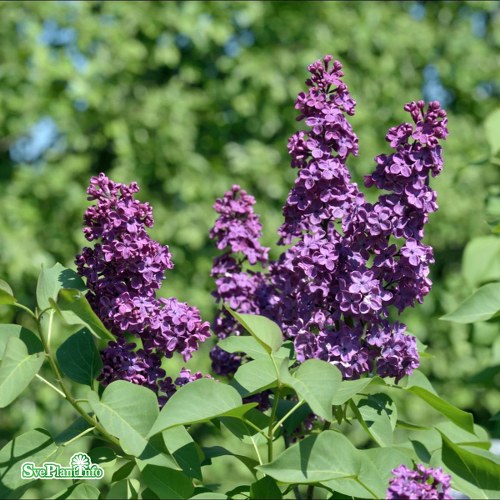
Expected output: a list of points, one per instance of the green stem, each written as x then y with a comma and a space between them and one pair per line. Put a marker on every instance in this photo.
45, 381
310, 492
270, 435
49, 329
251, 424
58, 375
256, 450
86, 431
296, 407
27, 309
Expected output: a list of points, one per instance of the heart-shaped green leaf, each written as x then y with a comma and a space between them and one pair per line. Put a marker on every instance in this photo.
79, 358
17, 369
198, 401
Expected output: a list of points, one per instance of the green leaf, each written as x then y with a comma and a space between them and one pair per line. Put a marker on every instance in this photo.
240, 411
457, 482
349, 388
243, 343
17, 369
81, 491
149, 494
419, 385
6, 293
496, 417
32, 342
402, 424
366, 484
103, 456
463, 486
209, 495
423, 444
375, 472
53, 279
487, 376
457, 435
123, 472
417, 379
181, 446
255, 376
167, 483
477, 466
48, 285
314, 459
461, 418
422, 350
316, 382
265, 489
482, 305
156, 453
245, 432
75, 310
198, 401
127, 411
126, 488
386, 459
77, 427
378, 416
240, 492
219, 451
491, 127
294, 420
79, 358
36, 446
481, 260
266, 332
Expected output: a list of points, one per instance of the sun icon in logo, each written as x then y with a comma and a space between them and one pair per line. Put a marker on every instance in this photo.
80, 462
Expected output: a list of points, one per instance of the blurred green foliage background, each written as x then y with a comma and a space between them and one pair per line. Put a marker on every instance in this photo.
188, 98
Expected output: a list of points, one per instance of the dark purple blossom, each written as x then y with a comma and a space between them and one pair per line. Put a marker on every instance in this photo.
122, 362
237, 231
422, 483
124, 270
349, 261
237, 228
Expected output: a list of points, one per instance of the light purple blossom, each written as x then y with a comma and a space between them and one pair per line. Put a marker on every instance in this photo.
422, 483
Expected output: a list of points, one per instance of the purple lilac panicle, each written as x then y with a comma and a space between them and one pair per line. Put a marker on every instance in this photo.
423, 483
124, 270
349, 261
237, 232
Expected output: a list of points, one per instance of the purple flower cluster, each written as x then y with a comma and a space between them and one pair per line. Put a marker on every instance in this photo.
423, 483
349, 260
124, 270
237, 231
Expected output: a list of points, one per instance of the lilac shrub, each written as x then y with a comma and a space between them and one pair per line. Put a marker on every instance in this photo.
423, 483
124, 270
349, 262
347, 269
